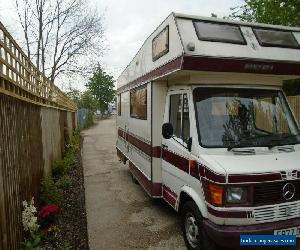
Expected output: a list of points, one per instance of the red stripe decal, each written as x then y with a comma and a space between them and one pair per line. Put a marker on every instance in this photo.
162, 70
121, 133
169, 196
143, 146
254, 178
201, 170
214, 177
153, 189
176, 160
156, 152
228, 214
240, 66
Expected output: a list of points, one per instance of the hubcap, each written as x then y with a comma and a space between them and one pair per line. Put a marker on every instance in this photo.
191, 230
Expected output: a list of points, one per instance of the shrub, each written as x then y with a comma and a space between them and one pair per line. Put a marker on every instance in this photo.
50, 193
59, 168
64, 182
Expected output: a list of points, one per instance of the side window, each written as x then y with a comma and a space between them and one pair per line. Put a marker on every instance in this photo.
138, 103
185, 119
175, 113
179, 116
119, 104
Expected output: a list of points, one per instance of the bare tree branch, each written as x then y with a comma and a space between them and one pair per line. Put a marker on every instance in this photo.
65, 35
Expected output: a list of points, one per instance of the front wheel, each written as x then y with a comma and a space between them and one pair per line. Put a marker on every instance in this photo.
191, 223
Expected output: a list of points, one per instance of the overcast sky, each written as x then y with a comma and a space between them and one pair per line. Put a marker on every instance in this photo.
129, 22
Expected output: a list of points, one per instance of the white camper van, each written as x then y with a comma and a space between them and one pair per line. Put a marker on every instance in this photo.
204, 124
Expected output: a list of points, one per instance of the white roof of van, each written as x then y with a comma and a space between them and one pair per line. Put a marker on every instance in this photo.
175, 45
222, 20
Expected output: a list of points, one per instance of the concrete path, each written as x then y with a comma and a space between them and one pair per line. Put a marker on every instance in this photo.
120, 215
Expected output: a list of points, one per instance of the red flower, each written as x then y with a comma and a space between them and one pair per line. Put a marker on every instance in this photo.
49, 209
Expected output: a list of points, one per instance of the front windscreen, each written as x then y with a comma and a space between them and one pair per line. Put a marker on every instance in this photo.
237, 117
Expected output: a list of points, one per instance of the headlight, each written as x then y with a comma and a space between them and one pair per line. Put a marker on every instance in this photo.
236, 195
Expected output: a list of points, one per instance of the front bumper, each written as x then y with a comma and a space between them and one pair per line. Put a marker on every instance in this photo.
229, 236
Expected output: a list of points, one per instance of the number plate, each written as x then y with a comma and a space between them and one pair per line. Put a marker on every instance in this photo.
288, 231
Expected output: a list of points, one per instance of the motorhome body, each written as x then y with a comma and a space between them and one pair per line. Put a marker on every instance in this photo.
204, 124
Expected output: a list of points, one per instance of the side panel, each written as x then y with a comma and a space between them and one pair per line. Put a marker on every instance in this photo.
139, 139
159, 92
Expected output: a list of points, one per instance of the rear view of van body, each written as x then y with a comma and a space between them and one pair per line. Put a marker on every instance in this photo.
204, 124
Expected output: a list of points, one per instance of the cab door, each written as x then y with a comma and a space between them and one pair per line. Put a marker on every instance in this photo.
175, 153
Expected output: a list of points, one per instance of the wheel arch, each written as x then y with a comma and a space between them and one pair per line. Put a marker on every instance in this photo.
187, 193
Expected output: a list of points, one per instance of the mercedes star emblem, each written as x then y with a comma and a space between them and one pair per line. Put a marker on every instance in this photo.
288, 191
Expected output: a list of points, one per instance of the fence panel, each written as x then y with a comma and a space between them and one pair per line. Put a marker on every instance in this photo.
21, 157
36, 117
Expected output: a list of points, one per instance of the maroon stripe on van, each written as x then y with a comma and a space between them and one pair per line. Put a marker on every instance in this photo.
214, 176
254, 178
228, 214
160, 71
176, 160
153, 189
121, 133
240, 66
156, 152
201, 170
169, 196
143, 146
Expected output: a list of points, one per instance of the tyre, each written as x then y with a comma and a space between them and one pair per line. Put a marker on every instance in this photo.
134, 180
191, 223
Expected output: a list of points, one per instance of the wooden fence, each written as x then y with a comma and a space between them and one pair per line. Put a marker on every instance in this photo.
35, 119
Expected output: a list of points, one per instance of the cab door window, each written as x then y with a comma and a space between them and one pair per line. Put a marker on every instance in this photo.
179, 116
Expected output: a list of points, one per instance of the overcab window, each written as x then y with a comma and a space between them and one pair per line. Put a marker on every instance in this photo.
138, 103
219, 32
276, 38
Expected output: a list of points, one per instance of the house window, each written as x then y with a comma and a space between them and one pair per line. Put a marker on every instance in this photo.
119, 104
138, 103
179, 116
219, 32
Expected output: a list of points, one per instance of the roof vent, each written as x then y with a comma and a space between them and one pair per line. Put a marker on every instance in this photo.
243, 151
285, 149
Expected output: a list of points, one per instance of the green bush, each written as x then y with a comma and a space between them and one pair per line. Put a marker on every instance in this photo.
64, 182
59, 168
50, 193
89, 120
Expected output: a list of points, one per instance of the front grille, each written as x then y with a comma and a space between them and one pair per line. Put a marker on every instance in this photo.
271, 193
277, 212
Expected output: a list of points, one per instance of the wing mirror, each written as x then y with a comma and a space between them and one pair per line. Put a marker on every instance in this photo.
167, 130
189, 144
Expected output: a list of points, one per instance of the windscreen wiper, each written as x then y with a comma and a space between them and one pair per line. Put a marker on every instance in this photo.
238, 145
280, 139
